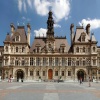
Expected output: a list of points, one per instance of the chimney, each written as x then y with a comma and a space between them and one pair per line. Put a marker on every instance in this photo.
28, 33
72, 32
12, 28
88, 29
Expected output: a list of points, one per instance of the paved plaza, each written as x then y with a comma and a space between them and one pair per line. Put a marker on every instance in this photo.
49, 91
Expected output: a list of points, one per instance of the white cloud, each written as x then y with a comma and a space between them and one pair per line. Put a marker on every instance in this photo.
40, 33
60, 8
24, 5
94, 23
42, 7
30, 3
20, 5
57, 25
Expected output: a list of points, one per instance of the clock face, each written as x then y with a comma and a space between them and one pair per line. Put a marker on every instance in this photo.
50, 47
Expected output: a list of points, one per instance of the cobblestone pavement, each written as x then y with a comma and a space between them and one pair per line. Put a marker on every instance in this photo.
49, 91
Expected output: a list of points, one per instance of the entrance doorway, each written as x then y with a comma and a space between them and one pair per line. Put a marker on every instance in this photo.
81, 74
50, 74
20, 75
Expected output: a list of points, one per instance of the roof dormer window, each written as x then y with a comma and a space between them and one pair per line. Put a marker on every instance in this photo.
83, 38
17, 38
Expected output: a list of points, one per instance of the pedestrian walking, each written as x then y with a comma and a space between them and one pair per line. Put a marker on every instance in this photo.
89, 82
80, 80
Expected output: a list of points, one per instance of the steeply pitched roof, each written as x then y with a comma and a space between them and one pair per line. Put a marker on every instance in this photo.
21, 32
93, 38
42, 43
7, 39
79, 31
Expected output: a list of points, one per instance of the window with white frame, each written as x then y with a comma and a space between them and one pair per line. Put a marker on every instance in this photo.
77, 62
23, 49
37, 73
44, 61
43, 73
62, 73
83, 38
31, 61
50, 61
69, 61
77, 49
16, 62
16, 49
93, 49
56, 73
6, 48
69, 73
31, 73
83, 49
94, 62
63, 61
37, 61
23, 62
83, 62
17, 38
56, 61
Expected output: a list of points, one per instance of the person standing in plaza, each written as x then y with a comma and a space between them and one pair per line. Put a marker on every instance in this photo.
89, 82
80, 80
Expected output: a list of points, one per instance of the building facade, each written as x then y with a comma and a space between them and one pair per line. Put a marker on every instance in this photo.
50, 57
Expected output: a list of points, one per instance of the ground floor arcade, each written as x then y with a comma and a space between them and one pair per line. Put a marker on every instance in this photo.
50, 73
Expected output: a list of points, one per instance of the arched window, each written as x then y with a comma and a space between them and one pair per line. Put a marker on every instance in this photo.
23, 49
6, 48
93, 49
83, 38
77, 49
83, 49
16, 49
17, 38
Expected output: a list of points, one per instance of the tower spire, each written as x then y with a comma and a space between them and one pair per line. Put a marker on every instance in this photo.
50, 25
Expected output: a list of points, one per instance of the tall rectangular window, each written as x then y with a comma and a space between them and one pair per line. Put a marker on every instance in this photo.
31, 61
63, 61
37, 73
50, 61
56, 61
31, 73
94, 62
44, 61
56, 73
62, 73
69, 61
69, 73
23, 62
37, 61
43, 73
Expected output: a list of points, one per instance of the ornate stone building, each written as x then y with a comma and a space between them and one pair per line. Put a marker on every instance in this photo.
50, 57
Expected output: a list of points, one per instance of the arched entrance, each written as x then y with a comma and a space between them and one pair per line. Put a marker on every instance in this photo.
50, 74
81, 74
20, 75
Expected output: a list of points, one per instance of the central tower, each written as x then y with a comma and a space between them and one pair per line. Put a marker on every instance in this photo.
50, 26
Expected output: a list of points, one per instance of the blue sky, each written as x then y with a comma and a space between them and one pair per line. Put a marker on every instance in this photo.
35, 12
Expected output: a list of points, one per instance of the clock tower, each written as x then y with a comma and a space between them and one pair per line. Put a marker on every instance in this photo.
50, 41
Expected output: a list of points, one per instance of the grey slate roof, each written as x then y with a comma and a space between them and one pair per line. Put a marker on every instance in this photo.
7, 39
78, 33
42, 43
93, 38
19, 31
